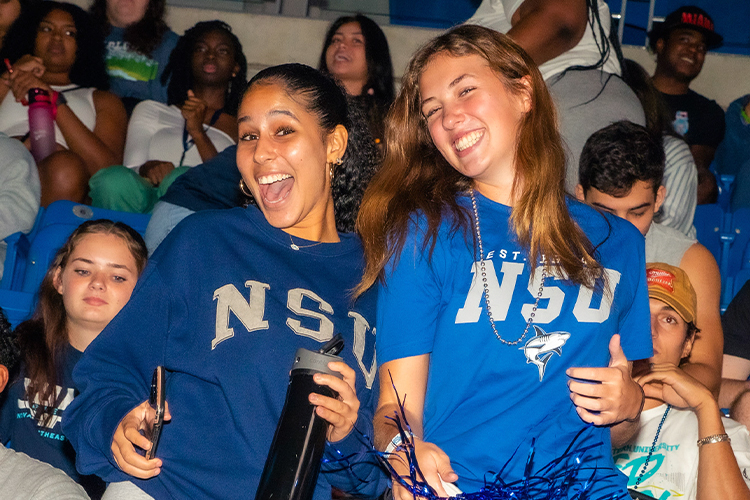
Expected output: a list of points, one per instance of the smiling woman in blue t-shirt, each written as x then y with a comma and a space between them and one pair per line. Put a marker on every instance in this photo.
499, 299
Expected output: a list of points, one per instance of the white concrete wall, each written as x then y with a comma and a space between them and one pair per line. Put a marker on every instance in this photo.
269, 40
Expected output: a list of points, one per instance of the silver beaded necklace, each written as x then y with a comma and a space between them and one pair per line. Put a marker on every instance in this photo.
483, 269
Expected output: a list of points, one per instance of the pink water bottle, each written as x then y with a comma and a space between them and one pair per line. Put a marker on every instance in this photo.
41, 124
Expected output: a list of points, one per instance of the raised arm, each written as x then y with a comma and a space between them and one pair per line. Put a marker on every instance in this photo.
548, 28
719, 476
194, 110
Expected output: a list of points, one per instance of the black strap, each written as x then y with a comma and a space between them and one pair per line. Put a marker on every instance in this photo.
188, 142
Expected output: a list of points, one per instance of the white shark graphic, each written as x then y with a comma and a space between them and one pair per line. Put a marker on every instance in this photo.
539, 349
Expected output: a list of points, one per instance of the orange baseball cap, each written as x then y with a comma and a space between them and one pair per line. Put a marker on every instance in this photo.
672, 286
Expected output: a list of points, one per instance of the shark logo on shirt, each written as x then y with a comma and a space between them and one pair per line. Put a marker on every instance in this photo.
539, 349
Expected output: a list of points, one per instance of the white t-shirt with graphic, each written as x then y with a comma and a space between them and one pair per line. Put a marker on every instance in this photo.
672, 471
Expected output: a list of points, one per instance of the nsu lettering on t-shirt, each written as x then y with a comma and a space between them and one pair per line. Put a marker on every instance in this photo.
501, 294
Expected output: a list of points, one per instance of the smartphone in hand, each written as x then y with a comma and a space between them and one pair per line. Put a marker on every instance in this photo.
157, 400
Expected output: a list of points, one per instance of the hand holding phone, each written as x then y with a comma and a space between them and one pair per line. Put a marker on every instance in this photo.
140, 430
157, 400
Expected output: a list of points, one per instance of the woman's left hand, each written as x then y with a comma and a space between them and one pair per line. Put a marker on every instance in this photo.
605, 396
341, 413
193, 111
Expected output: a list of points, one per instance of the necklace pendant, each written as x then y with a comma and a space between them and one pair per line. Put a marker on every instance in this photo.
294, 247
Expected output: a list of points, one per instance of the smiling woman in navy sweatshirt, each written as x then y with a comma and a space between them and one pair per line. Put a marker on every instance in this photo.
227, 300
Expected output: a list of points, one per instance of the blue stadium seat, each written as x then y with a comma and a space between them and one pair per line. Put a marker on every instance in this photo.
739, 251
709, 221
17, 306
726, 187
29, 256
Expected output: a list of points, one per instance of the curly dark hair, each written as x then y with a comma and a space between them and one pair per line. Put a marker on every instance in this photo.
616, 157
89, 69
379, 70
325, 99
44, 338
9, 350
179, 69
143, 36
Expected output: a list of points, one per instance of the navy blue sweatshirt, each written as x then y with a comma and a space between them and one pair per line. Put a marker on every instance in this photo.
224, 304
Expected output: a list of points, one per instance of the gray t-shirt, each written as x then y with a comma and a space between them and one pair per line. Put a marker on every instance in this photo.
22, 478
665, 244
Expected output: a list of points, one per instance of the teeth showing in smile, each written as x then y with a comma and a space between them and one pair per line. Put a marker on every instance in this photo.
469, 140
270, 179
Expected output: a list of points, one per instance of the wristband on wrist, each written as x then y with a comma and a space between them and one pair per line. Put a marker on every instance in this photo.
643, 402
395, 443
57, 99
716, 438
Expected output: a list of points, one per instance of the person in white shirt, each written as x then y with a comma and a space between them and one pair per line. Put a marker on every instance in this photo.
684, 447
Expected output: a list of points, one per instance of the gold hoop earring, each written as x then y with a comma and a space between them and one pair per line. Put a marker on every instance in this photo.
244, 189
338, 162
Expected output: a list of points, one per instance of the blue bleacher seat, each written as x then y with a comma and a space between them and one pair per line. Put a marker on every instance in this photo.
29, 256
17, 306
709, 221
739, 252
726, 186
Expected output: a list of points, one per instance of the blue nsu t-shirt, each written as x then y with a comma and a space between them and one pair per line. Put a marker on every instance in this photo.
486, 400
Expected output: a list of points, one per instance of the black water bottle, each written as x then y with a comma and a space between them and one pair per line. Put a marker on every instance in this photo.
293, 463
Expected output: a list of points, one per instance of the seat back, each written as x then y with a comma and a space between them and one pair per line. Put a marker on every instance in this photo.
726, 187
708, 225
739, 251
33, 253
17, 306
60, 219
